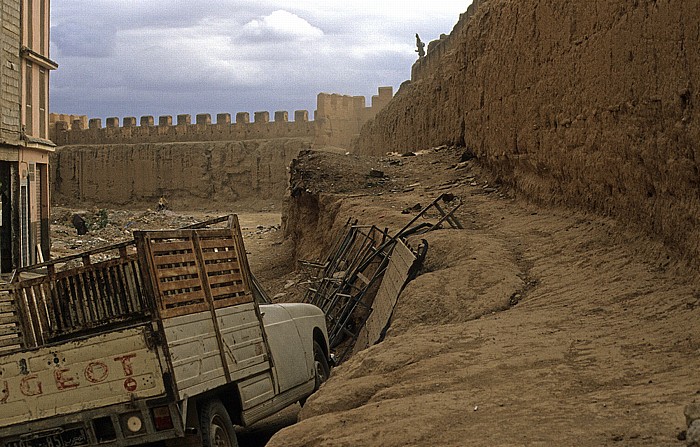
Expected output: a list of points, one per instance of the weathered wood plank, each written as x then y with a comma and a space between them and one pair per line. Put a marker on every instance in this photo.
9, 330
223, 266
183, 310
166, 286
234, 288
171, 246
230, 256
183, 297
167, 260
179, 271
223, 279
8, 319
221, 242
227, 302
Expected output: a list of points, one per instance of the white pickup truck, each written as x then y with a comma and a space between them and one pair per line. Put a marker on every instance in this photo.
165, 342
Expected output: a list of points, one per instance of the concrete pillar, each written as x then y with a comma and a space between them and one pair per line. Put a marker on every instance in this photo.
129, 121
262, 117
147, 121
112, 122
203, 118
95, 123
243, 117
301, 115
281, 116
184, 119
223, 118
165, 120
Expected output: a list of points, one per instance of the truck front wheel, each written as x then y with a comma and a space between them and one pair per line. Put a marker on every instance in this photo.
216, 426
323, 371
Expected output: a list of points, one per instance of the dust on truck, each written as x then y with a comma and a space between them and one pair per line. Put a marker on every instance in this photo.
165, 341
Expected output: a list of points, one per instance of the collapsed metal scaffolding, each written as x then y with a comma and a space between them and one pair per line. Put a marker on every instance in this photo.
345, 285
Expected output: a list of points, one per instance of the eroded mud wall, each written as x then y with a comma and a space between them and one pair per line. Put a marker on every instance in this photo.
252, 173
588, 104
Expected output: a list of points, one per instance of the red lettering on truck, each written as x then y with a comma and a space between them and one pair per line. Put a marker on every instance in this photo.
96, 372
126, 363
30, 385
63, 380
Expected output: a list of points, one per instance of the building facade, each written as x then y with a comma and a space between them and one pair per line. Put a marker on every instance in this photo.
24, 140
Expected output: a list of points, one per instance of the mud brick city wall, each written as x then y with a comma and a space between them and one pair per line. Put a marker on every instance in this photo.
589, 104
237, 159
201, 175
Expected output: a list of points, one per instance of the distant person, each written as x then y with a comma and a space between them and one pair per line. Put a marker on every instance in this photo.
421, 47
162, 204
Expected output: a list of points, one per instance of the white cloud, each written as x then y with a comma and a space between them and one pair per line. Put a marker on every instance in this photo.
282, 23
130, 58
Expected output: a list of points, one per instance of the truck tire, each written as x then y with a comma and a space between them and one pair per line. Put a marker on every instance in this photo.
321, 368
216, 426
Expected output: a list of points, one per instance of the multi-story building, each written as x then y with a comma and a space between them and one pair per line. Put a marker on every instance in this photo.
24, 143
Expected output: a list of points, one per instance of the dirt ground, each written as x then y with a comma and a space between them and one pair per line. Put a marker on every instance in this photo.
531, 326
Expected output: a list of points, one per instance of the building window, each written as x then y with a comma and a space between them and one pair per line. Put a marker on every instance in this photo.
42, 22
30, 24
42, 102
29, 112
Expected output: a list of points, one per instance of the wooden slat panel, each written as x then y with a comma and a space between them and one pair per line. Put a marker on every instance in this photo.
72, 272
392, 283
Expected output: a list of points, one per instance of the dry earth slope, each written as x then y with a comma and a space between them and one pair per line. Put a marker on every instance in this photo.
531, 326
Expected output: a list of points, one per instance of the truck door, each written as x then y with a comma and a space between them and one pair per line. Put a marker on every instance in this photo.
286, 346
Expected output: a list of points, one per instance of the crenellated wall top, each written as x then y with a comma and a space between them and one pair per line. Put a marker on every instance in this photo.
79, 129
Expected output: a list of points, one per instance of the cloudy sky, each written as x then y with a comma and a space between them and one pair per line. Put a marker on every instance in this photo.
155, 57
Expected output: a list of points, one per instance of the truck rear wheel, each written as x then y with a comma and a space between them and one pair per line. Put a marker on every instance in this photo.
216, 426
